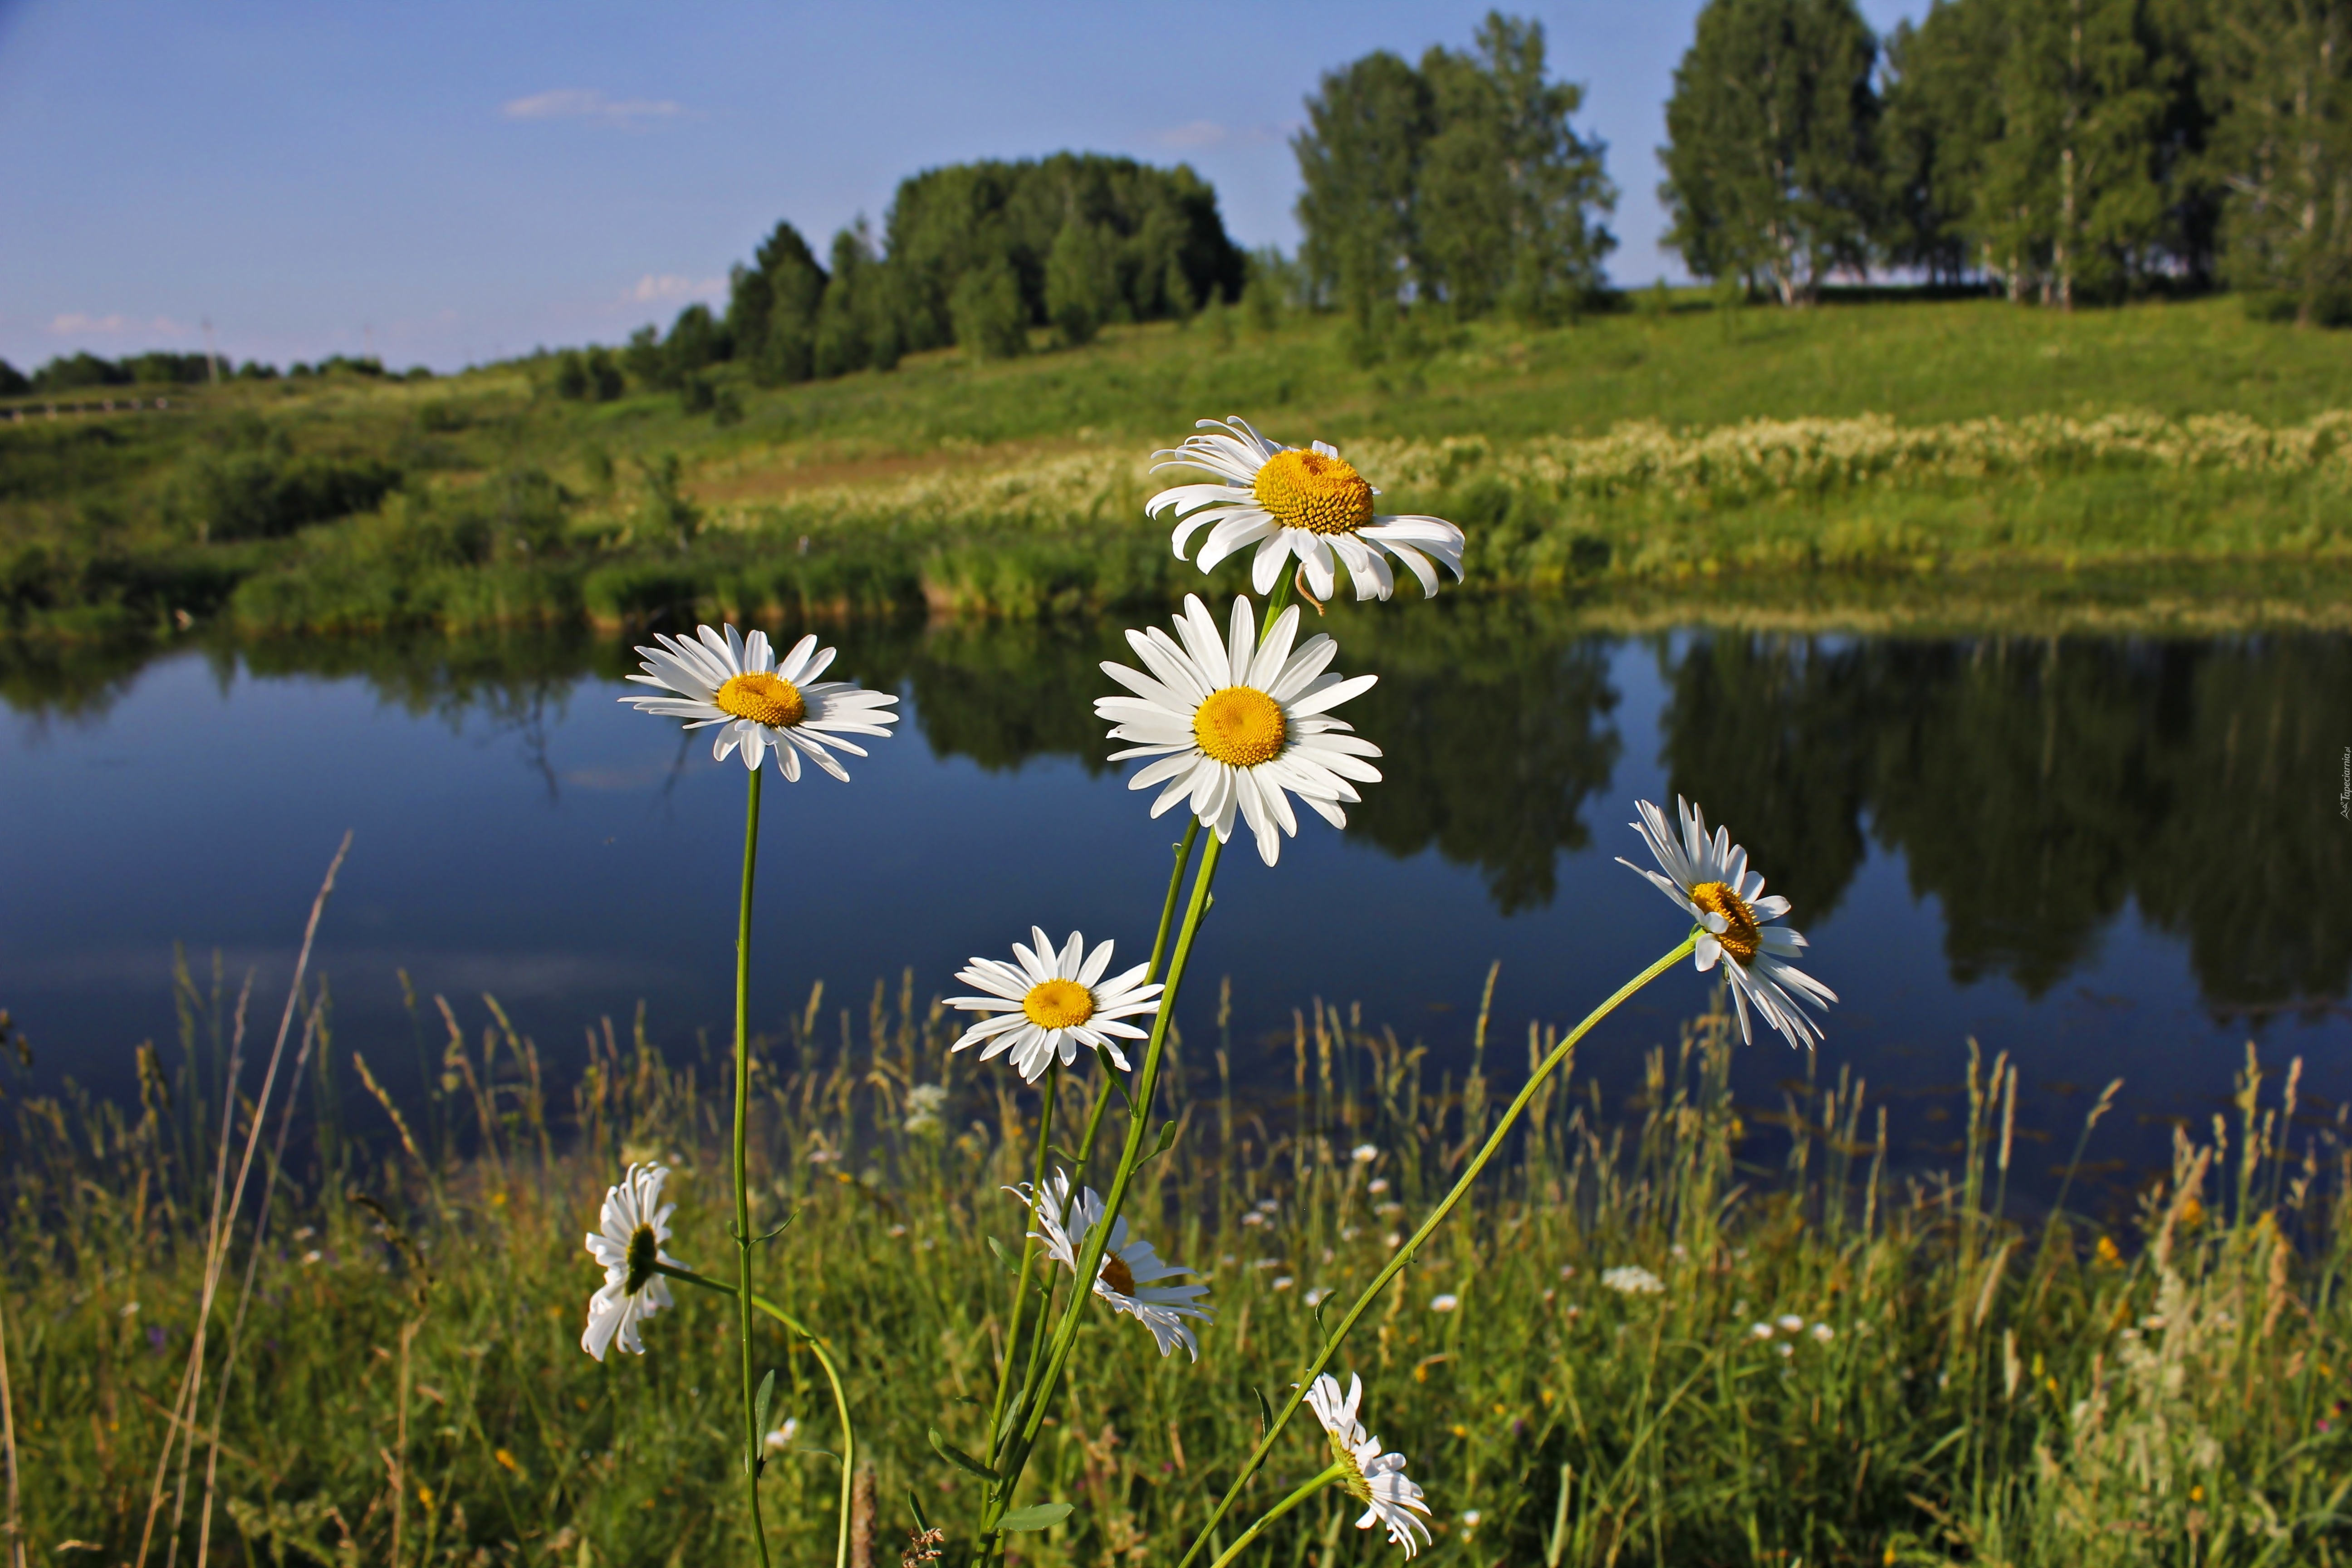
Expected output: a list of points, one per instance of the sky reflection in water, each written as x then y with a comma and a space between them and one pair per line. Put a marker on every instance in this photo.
2108, 858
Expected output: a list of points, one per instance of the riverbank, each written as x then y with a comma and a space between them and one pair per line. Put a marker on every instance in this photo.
1819, 1356
1886, 450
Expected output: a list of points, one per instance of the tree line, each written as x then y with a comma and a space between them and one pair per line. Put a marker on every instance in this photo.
83, 370
2061, 151
976, 255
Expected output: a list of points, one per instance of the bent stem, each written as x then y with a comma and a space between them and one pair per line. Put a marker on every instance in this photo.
751, 1433
1028, 1262
831, 1376
1308, 1490
1405, 1253
1090, 1255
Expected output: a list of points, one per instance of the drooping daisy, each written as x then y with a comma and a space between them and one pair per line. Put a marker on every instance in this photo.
1311, 504
635, 1223
1375, 1477
1129, 1269
1233, 723
1709, 877
737, 683
1052, 1003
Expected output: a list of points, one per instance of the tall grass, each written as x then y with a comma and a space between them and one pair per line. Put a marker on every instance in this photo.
1963, 1379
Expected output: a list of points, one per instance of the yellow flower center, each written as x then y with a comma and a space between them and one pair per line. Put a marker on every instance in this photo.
1058, 1004
769, 699
1240, 726
1309, 491
1353, 1477
1739, 936
1117, 1274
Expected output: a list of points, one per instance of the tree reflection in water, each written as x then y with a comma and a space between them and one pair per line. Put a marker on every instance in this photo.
2033, 788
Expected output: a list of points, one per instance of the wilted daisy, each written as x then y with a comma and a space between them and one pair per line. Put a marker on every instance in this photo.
737, 683
1129, 1269
1050, 1003
1711, 878
1234, 723
1632, 1279
635, 1223
1375, 1478
1311, 504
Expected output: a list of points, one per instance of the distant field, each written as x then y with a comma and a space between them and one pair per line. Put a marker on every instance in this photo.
1647, 447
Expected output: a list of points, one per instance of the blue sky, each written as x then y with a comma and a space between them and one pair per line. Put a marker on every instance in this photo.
443, 183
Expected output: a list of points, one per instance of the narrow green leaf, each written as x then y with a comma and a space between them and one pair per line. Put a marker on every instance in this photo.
960, 1459
1264, 1412
997, 1248
1036, 1516
915, 1506
760, 1406
1167, 1140
1012, 1414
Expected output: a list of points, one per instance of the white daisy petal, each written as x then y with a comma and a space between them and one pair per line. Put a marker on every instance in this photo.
632, 1225
1230, 722
759, 704
1708, 877
1310, 504
1052, 1004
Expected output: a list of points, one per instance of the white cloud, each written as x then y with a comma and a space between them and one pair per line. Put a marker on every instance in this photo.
652, 289
587, 103
75, 323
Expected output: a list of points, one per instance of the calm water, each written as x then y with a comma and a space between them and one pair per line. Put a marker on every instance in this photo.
2108, 858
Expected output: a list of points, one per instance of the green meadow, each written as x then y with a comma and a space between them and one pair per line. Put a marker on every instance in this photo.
1843, 1359
2173, 463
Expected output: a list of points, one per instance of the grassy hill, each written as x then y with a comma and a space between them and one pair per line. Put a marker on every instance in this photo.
1746, 456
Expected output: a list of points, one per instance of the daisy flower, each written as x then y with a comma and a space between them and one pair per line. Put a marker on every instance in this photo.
1373, 1476
1051, 1003
635, 1223
1129, 1269
1233, 723
1311, 504
1709, 877
737, 683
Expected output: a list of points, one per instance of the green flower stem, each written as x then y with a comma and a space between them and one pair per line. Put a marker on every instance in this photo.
1028, 1259
1094, 1114
1139, 1122
1405, 1253
831, 1376
1090, 1257
1338, 1469
751, 1433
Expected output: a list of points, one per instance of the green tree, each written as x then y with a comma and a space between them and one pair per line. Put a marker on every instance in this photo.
1081, 280
13, 382
773, 308
696, 341
946, 224
2282, 148
991, 321
1939, 124
1508, 193
1359, 167
855, 327
2073, 202
571, 374
647, 365
1771, 152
